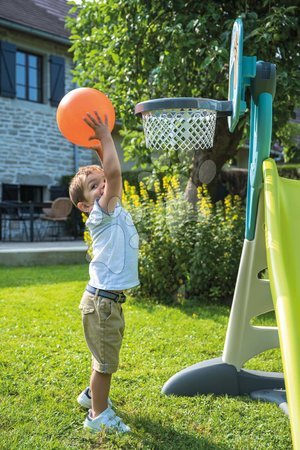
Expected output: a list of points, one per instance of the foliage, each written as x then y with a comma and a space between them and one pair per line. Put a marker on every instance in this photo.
87, 238
161, 224
219, 236
288, 139
136, 50
186, 251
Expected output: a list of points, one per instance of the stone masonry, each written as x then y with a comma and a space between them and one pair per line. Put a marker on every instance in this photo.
32, 149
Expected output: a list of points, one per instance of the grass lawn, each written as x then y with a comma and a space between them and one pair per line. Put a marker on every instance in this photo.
45, 364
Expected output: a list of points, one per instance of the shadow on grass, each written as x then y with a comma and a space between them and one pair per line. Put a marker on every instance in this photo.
38, 275
204, 310
161, 437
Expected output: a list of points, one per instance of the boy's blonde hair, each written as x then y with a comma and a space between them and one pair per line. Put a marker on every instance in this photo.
76, 188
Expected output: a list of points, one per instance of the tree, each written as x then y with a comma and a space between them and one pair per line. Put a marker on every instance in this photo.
135, 50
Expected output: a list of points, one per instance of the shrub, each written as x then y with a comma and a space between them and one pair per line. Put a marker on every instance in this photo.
165, 226
186, 251
219, 236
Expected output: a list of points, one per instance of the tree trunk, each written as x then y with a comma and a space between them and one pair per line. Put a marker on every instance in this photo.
208, 164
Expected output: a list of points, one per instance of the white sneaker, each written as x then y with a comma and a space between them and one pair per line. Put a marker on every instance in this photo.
106, 420
85, 400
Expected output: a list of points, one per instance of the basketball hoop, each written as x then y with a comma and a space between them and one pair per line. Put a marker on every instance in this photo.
185, 123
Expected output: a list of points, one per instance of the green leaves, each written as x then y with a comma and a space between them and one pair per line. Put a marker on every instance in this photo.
185, 251
136, 50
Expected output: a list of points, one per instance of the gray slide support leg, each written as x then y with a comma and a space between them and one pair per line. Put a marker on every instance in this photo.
216, 377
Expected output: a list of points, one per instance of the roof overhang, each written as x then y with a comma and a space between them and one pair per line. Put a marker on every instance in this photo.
34, 32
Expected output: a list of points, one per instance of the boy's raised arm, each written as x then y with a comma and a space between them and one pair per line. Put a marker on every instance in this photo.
110, 161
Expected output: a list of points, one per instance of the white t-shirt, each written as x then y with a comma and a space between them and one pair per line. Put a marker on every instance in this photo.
115, 243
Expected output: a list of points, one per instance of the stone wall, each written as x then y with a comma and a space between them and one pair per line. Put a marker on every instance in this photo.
32, 145
32, 149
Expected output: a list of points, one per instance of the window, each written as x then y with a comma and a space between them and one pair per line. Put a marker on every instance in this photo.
31, 193
21, 75
23, 193
28, 76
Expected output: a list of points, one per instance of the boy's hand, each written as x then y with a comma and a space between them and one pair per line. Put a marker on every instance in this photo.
97, 148
101, 129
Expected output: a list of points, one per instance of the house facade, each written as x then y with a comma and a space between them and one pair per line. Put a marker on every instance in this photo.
35, 73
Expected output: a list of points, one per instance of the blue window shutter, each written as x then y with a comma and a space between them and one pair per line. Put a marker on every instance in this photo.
57, 79
7, 69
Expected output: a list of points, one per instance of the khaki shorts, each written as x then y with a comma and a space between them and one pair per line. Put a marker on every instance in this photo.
103, 324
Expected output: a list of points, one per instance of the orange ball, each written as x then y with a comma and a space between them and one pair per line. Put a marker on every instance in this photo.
73, 108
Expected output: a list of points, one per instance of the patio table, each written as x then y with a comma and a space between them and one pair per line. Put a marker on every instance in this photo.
22, 208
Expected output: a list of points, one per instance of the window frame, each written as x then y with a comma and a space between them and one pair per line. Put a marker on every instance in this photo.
52, 74
39, 68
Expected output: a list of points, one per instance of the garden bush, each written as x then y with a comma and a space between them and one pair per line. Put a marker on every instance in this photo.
186, 251
219, 233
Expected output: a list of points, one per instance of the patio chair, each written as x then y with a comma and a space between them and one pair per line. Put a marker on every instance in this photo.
56, 217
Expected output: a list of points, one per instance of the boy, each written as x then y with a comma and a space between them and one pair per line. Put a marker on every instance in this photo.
97, 192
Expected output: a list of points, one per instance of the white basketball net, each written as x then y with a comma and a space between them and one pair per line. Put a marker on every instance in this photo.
181, 129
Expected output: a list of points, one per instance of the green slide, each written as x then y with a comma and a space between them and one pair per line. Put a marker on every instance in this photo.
282, 219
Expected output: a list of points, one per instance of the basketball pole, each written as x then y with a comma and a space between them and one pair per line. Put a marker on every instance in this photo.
252, 297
